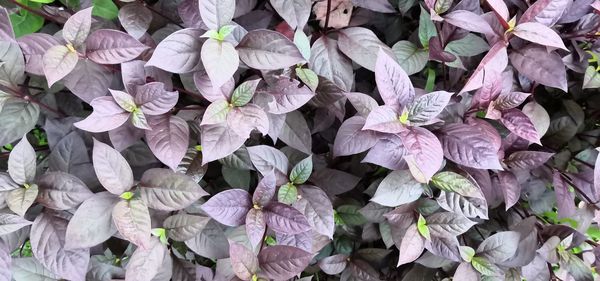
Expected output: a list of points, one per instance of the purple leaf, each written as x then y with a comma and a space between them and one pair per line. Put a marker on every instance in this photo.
265, 190
168, 139
412, 245
268, 50
92, 222
388, 194
283, 96
77, 27
255, 226
546, 12
145, 264
518, 123
135, 19
211, 242
427, 107
107, 115
243, 261
500, 8
510, 100
511, 189
243, 120
317, 208
182, 227
491, 65
549, 71
34, 46
565, 199
106, 46
334, 181
363, 103
283, 262
468, 21
362, 46
58, 61
447, 224
5, 260
335, 264
285, 219
22, 162
384, 119
328, 61
351, 139
527, 160
163, 189
216, 113
469, 146
393, 83
216, 13
132, 220
229, 207
88, 80
218, 141
179, 52
220, 60
154, 99
424, 153
206, 89
499, 247
294, 12
540, 34
111, 168
267, 160
61, 191
388, 152
6, 29
302, 241
295, 132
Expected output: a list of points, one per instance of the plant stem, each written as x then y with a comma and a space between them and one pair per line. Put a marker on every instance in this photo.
36, 12
327, 15
26, 97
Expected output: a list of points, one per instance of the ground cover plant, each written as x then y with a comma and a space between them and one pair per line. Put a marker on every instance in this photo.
299, 140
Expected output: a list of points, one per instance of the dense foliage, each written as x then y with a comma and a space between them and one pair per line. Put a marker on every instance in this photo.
299, 140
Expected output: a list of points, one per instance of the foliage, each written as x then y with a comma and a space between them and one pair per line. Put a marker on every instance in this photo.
299, 140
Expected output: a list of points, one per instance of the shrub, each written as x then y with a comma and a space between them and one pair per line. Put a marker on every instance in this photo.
299, 140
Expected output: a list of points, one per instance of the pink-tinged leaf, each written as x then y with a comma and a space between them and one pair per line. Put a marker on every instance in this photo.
510, 100
384, 119
154, 99
5, 260
265, 190
255, 226
107, 115
61, 191
295, 132
492, 65
216, 13
469, 146
268, 50
124, 100
145, 264
527, 160
132, 220
206, 89
22, 162
163, 189
218, 141
388, 194
362, 46
388, 152
535, 63
468, 21
243, 261
92, 222
88, 80
216, 113
565, 199
58, 61
283, 262
412, 245
335, 264
316, 206
393, 83
518, 123
363, 103
500, 8
327, 60
10, 223
168, 139
135, 19
351, 139
111, 168
285, 219
47, 245
511, 189
546, 12
267, 160
538, 116
243, 120
302, 241
34, 46
182, 227
106, 46
179, 52
220, 60
229, 207
77, 27
466, 272
294, 12
424, 153
283, 96
540, 34
426, 107
6, 29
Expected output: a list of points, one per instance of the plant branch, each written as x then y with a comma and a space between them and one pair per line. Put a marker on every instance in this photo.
36, 12
327, 15
29, 98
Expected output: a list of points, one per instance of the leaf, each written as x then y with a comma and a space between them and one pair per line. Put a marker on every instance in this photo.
397, 188
267, 159
351, 139
111, 168
540, 34
19, 200
220, 60
6, 28
335, 264
10, 223
47, 245
411, 58
216, 113
470, 207
350, 215
5, 262
77, 27
105, 9
163, 189
549, 71
492, 65
294, 12
124, 100
92, 222
393, 83
58, 62
453, 182
565, 199
182, 227
448, 224
243, 261
168, 139
22, 162
255, 226
412, 246
107, 115
426, 27
362, 46
88, 80
211, 242
287, 194
302, 42
285, 219
229, 207
317, 208
215, 13
25, 22
424, 153
527, 160
106, 46
363, 103
295, 132
217, 142
61, 191
283, 262
135, 19
34, 46
178, 52
328, 61
132, 220
308, 77
30, 269
468, 21
538, 116
469, 146
301, 172
244, 92
470, 45
591, 79
427, 107
243, 120
145, 263
284, 96
546, 12
444, 247
485, 267
519, 124
499, 247
153, 99
510, 100
19, 118
384, 119
268, 50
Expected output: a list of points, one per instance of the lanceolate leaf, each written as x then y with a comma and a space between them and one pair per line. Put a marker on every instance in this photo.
540, 34
469, 21
168, 139
550, 71
518, 123
448, 224
301, 172
229, 207
132, 220
327, 60
107, 46
182, 227
392, 81
469, 146
145, 263
22, 162
351, 139
285, 219
268, 50
243, 261
453, 182
283, 262
215, 13
58, 61
424, 153
317, 208
527, 159
163, 189
111, 168
77, 27
362, 46
397, 188
61, 191
92, 222
412, 245
179, 52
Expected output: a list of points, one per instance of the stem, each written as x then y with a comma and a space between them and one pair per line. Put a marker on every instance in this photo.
160, 14
26, 97
327, 15
36, 12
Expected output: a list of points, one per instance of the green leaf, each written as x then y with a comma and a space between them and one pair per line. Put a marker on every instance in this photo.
244, 93
453, 182
410, 57
467, 253
441, 6
127, 195
225, 30
105, 9
42, 1
485, 267
301, 172
161, 233
270, 241
287, 194
138, 119
350, 215
426, 28
423, 228
591, 79
470, 45
302, 43
24, 22
430, 80
308, 77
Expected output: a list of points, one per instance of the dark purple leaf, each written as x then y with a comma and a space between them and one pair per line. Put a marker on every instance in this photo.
393, 83
549, 71
229, 207
518, 123
92, 222
163, 189
285, 219
107, 46
283, 262
351, 139
268, 50
527, 160
469, 146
